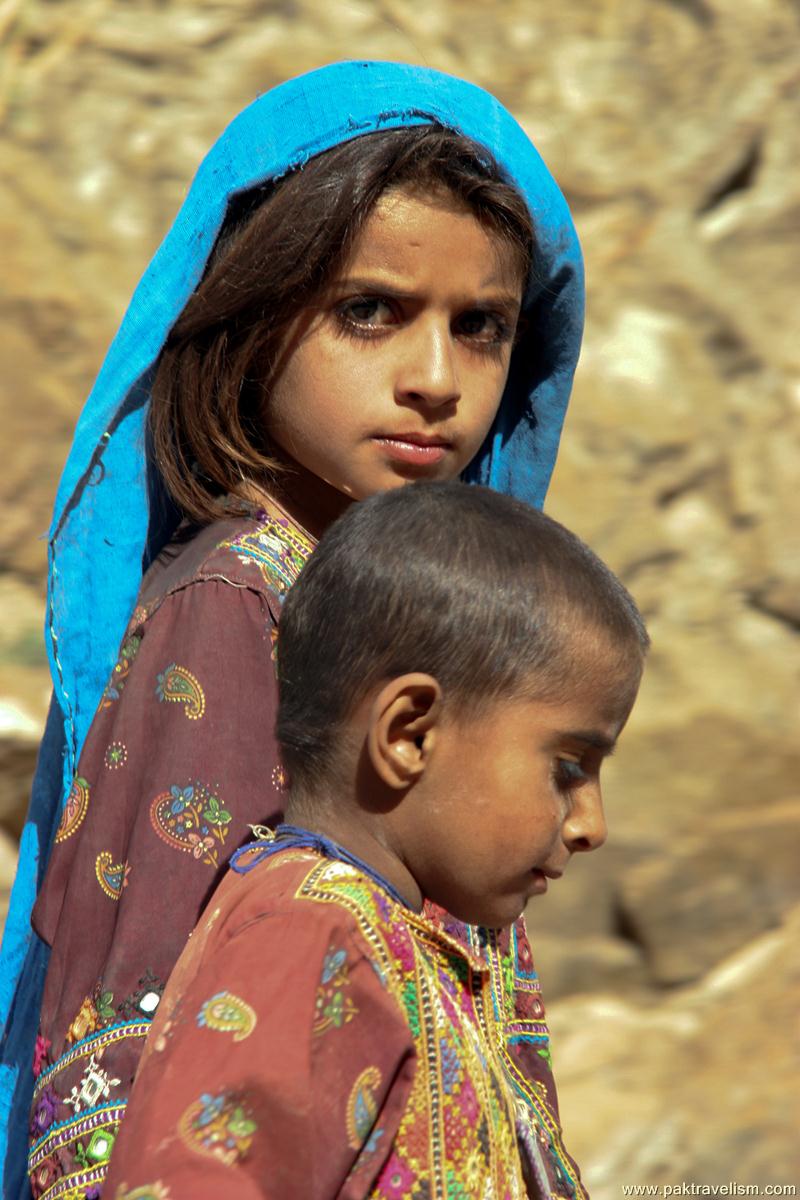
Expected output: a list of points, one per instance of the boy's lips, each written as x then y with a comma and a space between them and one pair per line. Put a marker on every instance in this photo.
418, 449
540, 876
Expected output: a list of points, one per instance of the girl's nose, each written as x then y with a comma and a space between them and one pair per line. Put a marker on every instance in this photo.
585, 827
427, 373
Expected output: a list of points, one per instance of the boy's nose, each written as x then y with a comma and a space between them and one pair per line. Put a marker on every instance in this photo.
427, 373
585, 827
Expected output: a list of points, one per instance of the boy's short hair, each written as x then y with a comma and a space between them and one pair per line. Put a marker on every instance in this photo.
472, 587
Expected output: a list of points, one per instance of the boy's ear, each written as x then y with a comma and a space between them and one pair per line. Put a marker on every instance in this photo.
402, 728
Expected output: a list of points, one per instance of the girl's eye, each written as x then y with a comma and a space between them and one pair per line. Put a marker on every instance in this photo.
365, 313
486, 328
569, 774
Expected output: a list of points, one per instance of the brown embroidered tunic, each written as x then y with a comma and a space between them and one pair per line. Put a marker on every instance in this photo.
319, 1040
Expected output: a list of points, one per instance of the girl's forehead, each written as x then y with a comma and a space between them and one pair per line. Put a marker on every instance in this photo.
408, 227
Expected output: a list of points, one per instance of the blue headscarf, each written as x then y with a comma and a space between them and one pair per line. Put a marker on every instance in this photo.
102, 532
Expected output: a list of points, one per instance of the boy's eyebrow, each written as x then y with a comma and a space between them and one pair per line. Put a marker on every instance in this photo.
598, 741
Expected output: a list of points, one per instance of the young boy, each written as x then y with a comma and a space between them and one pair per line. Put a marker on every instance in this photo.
446, 701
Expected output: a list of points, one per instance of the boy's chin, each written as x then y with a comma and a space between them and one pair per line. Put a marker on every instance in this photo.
495, 913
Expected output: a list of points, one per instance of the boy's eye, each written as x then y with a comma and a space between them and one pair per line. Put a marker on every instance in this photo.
568, 773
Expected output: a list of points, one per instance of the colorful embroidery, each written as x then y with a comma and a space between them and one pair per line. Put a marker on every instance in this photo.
220, 1126
177, 685
397, 1180
74, 809
93, 1044
277, 549
127, 653
83, 1139
457, 1136
95, 1012
95, 1085
145, 1000
97, 1150
227, 1013
40, 1054
333, 1008
191, 819
362, 1107
44, 1113
45, 1175
111, 876
116, 756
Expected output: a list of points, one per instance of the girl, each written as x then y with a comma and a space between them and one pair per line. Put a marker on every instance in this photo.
351, 297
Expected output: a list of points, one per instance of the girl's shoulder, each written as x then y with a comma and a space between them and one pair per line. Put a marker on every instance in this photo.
264, 554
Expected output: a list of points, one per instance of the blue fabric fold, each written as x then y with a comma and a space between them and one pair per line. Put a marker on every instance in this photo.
103, 532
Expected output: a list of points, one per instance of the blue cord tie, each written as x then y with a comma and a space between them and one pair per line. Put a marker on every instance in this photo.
294, 837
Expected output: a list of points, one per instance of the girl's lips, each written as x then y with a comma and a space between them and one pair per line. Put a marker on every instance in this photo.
418, 451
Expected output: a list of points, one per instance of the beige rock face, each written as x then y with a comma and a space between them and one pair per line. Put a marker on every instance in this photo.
674, 129
699, 1088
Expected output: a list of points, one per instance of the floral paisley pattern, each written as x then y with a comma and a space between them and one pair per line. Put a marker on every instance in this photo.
127, 653
111, 876
191, 819
177, 685
116, 756
150, 1191
227, 1013
77, 803
333, 1007
362, 1107
219, 1126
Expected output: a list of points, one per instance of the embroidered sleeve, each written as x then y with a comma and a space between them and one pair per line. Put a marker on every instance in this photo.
281, 1073
179, 760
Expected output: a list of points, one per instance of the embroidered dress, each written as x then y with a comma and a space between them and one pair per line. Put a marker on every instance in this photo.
373, 1063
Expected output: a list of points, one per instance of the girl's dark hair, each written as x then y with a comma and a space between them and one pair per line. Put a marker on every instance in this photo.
485, 594
278, 248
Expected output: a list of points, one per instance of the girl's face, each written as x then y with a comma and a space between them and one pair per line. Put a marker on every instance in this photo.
398, 373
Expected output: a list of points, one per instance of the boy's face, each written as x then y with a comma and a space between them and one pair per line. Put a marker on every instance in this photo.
510, 795
398, 375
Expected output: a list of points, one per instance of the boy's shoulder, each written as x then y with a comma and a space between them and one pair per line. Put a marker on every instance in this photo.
299, 879
315, 893
262, 553
308, 894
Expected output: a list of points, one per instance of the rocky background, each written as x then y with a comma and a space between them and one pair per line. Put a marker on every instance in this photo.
671, 959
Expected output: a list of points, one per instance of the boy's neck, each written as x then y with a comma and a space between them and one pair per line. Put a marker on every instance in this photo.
363, 835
